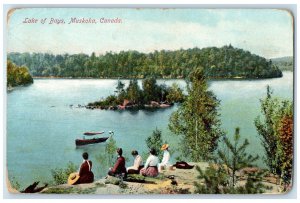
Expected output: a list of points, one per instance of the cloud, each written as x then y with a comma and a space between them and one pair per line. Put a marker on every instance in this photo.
266, 38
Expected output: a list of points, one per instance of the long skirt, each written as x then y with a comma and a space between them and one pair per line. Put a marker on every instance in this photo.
86, 178
151, 171
132, 170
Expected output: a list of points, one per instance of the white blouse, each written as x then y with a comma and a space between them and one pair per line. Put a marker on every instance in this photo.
151, 161
138, 161
166, 158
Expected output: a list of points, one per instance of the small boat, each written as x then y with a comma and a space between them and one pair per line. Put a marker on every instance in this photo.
80, 142
93, 133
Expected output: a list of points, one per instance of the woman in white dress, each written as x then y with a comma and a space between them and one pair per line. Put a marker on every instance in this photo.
165, 162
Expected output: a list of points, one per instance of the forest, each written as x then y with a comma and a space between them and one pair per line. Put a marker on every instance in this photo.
225, 62
284, 63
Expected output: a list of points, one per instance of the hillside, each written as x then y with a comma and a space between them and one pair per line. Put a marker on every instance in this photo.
224, 62
146, 185
284, 63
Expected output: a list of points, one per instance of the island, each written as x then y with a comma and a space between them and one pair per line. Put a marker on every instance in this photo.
226, 62
151, 95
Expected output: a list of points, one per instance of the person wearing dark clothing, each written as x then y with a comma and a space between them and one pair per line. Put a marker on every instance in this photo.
85, 173
119, 168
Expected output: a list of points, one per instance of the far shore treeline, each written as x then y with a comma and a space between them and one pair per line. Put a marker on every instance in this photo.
225, 62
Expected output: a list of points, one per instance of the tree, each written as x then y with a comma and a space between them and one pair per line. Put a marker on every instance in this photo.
211, 181
275, 130
151, 89
175, 94
237, 158
197, 119
120, 87
110, 150
17, 75
133, 92
155, 141
227, 61
286, 149
220, 176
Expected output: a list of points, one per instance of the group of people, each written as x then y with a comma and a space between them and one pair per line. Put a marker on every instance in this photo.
151, 168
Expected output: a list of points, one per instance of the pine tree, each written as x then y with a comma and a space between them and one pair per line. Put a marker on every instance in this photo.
197, 119
237, 158
220, 176
211, 181
155, 141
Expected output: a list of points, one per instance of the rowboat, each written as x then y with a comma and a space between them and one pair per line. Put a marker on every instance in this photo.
80, 142
93, 133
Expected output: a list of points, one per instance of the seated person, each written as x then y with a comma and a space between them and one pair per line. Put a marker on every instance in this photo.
119, 167
85, 174
165, 163
150, 168
137, 164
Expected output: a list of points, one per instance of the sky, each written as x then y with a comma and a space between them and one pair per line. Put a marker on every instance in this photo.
265, 32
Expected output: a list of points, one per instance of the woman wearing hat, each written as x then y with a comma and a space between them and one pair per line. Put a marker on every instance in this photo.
119, 168
166, 158
137, 164
151, 165
85, 174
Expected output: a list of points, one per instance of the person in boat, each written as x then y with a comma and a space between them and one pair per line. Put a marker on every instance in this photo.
137, 163
119, 168
85, 174
165, 163
151, 165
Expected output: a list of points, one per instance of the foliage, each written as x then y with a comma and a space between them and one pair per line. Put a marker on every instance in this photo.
151, 89
138, 98
286, 148
17, 75
175, 94
253, 184
221, 178
155, 141
110, 149
214, 180
284, 63
197, 120
224, 62
60, 175
276, 133
133, 92
237, 158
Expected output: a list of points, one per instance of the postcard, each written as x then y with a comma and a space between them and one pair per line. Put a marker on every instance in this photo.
111, 101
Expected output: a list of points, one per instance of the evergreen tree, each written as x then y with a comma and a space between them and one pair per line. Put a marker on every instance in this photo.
197, 119
211, 181
220, 176
155, 141
237, 158
133, 92
151, 89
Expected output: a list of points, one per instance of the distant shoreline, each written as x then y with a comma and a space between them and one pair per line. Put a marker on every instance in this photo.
159, 78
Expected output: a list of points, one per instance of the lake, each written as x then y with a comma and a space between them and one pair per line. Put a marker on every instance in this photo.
42, 126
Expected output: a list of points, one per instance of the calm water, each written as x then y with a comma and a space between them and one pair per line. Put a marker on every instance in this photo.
42, 127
